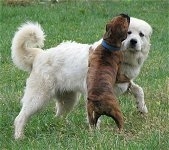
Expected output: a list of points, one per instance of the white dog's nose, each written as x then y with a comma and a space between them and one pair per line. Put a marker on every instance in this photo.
133, 42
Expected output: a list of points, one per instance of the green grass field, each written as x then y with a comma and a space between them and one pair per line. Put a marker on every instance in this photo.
84, 22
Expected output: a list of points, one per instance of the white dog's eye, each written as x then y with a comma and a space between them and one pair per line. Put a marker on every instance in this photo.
141, 34
129, 32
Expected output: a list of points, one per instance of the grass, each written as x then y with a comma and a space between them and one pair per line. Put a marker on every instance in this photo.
84, 22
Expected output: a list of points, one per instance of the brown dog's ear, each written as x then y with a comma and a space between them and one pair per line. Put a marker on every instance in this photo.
108, 31
108, 26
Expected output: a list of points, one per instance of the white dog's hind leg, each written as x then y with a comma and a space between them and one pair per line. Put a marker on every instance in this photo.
66, 102
32, 101
138, 93
19, 124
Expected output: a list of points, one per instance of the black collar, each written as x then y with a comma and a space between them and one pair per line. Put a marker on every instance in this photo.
109, 47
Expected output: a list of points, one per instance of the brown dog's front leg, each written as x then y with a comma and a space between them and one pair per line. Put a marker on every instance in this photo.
122, 78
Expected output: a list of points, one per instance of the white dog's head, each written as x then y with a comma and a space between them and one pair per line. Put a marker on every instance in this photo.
138, 38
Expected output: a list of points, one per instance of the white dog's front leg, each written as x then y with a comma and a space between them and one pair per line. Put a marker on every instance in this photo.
138, 93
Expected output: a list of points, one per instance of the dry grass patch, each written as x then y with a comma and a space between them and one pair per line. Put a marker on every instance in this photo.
18, 2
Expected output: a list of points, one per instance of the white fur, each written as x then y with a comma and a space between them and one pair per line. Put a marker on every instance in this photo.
60, 72
23, 48
134, 59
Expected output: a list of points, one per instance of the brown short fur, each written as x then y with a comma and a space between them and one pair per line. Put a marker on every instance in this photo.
104, 66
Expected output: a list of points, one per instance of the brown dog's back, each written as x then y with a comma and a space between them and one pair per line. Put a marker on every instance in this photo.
103, 68
104, 64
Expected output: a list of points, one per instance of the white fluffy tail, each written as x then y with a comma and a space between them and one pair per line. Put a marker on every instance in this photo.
24, 45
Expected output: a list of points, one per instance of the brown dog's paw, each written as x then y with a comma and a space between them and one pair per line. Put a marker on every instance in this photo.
119, 131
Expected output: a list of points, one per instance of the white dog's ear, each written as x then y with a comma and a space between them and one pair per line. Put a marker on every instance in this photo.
150, 30
149, 35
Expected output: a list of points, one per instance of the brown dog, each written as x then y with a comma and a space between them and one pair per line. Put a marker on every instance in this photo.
103, 72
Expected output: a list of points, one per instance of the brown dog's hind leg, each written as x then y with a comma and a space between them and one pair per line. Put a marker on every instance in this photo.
93, 116
117, 115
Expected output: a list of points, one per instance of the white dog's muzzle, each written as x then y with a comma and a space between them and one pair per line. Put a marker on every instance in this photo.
133, 44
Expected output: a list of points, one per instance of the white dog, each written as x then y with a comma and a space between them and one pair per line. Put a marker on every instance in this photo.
60, 72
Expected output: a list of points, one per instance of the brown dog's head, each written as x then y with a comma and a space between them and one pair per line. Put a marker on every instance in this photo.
116, 30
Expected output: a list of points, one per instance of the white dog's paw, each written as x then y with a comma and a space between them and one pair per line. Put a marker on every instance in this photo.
19, 136
143, 109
